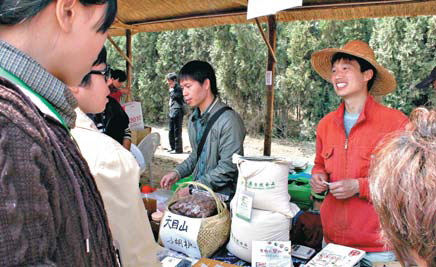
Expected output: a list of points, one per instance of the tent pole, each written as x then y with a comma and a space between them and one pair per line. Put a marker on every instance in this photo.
271, 50
269, 78
118, 49
128, 63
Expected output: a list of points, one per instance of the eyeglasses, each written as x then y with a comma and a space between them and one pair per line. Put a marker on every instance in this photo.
106, 72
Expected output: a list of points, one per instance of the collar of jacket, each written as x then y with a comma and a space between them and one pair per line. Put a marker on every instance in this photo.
40, 80
369, 103
83, 121
205, 116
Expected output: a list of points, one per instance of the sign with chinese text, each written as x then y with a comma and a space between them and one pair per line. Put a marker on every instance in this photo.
271, 253
337, 256
134, 111
180, 233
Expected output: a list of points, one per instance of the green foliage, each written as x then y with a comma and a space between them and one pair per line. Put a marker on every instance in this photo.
401, 45
406, 46
241, 71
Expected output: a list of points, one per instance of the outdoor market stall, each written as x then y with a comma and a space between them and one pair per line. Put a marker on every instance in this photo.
149, 16
154, 16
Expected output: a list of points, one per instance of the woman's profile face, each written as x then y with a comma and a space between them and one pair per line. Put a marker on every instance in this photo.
92, 98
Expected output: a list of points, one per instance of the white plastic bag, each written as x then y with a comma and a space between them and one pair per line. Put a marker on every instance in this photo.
264, 226
267, 179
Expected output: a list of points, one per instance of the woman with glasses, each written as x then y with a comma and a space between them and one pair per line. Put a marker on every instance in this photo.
51, 213
91, 94
115, 171
113, 121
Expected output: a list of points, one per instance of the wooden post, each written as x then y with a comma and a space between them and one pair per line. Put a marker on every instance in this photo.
129, 67
269, 115
119, 49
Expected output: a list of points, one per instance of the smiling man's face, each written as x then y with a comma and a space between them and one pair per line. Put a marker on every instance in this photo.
348, 80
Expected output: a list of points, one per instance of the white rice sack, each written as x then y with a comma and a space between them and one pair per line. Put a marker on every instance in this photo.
267, 179
264, 226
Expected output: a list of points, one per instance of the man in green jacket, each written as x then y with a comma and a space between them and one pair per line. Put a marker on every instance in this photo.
213, 167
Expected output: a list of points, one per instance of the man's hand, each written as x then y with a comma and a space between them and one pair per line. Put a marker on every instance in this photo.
169, 179
318, 182
345, 188
183, 192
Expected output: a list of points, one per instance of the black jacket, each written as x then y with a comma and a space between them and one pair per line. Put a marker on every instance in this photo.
176, 100
113, 121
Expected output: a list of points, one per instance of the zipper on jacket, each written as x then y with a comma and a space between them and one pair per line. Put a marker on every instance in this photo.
346, 143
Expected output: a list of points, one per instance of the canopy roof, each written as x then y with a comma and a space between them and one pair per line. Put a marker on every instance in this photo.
163, 15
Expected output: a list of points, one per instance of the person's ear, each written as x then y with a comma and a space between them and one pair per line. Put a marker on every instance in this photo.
206, 84
65, 13
74, 90
368, 74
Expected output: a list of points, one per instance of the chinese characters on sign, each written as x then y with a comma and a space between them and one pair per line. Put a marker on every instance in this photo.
272, 253
180, 233
134, 111
174, 224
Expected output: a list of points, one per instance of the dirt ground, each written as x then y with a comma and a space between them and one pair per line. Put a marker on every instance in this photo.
253, 146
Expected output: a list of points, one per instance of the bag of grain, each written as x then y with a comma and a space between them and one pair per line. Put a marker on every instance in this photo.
267, 179
264, 226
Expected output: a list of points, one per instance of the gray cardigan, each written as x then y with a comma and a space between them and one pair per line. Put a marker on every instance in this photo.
225, 138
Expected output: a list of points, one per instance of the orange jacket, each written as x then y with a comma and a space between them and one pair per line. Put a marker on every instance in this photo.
353, 221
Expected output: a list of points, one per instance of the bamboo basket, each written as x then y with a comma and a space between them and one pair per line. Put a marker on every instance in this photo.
214, 230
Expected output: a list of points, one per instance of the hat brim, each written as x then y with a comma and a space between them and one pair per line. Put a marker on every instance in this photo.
425, 83
384, 82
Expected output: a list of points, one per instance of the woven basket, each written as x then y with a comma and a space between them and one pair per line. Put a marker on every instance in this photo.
215, 230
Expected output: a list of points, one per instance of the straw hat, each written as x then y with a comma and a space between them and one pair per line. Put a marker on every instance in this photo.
384, 82
427, 81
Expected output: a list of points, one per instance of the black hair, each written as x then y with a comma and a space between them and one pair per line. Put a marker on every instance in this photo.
199, 71
101, 59
364, 65
13, 12
172, 76
119, 75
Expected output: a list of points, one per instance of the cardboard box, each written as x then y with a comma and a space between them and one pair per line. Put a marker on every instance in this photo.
138, 135
203, 262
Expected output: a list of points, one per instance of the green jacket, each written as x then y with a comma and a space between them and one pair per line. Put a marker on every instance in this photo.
225, 138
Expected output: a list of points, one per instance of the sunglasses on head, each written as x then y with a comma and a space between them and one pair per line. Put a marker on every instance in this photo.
106, 72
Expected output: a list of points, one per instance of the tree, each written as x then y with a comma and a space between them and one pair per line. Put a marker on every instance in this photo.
238, 54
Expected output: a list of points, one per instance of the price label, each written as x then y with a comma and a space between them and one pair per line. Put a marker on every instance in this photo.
244, 205
268, 78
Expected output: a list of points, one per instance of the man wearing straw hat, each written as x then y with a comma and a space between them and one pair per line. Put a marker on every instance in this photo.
345, 143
